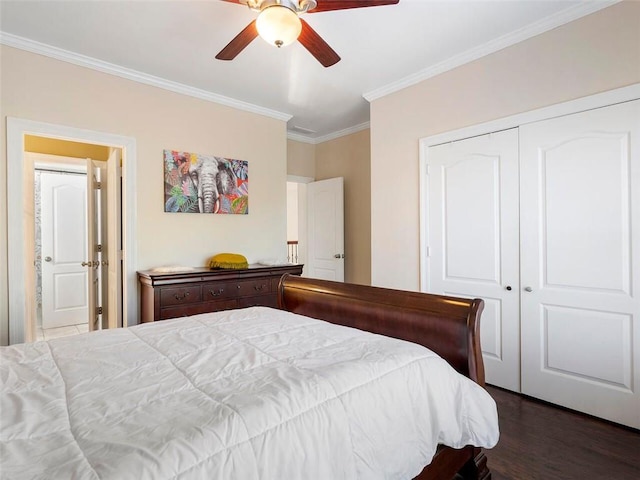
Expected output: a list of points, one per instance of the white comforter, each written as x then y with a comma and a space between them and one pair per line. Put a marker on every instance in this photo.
246, 394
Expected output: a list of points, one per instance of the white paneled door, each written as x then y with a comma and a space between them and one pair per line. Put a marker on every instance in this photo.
64, 248
580, 261
325, 222
473, 240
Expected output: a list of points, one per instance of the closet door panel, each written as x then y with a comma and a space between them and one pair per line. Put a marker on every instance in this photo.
580, 220
473, 240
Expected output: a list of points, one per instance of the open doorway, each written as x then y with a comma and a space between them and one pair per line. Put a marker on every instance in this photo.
21, 223
315, 214
297, 220
77, 236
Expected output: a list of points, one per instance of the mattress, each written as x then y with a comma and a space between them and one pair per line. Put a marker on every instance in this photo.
254, 393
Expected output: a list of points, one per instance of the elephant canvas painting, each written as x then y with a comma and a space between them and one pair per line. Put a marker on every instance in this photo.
195, 183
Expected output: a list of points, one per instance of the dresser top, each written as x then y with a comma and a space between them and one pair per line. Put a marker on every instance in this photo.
205, 274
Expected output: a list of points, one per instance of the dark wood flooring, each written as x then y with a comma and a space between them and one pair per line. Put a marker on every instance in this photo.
539, 441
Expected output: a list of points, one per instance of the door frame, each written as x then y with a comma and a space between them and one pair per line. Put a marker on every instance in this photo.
620, 95
21, 172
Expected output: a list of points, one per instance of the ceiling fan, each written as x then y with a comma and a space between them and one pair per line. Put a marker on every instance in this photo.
279, 23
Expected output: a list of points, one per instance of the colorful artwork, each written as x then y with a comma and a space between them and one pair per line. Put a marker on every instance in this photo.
195, 183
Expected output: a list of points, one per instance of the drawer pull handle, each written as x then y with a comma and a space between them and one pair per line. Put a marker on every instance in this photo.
218, 293
181, 297
259, 287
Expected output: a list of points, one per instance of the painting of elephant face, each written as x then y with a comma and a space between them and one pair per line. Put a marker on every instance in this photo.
196, 183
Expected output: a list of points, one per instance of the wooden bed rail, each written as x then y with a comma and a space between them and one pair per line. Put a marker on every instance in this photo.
449, 326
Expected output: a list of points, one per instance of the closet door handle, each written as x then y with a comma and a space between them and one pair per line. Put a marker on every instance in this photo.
528, 289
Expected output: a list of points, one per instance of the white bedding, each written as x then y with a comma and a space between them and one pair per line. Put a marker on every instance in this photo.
245, 394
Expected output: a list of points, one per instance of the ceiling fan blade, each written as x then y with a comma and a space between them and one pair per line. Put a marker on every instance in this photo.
327, 5
235, 46
317, 46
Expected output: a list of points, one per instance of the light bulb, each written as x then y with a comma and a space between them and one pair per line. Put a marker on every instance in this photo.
278, 25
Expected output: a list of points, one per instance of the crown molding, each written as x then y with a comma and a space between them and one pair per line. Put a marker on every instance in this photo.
300, 138
565, 16
330, 136
32, 46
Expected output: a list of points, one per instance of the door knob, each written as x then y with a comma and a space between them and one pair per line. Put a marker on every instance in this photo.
528, 289
47, 259
508, 287
87, 264
337, 255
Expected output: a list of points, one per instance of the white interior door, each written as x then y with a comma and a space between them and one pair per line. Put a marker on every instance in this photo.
64, 248
473, 240
580, 229
325, 221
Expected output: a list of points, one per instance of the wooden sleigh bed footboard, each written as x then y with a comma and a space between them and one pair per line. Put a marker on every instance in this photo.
448, 326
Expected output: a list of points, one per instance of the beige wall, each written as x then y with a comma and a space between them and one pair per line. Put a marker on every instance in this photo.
349, 157
301, 159
38, 88
596, 53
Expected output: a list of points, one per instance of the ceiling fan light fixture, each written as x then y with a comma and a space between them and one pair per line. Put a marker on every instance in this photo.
278, 25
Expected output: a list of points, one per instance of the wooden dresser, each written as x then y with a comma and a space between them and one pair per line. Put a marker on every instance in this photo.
170, 295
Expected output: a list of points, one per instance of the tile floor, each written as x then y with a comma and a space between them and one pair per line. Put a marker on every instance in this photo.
49, 333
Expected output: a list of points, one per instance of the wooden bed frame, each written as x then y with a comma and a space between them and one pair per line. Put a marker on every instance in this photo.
448, 326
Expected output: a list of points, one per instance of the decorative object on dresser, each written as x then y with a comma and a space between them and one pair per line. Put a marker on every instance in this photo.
202, 290
229, 260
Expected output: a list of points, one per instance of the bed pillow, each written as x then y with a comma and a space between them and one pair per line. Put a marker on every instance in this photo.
228, 260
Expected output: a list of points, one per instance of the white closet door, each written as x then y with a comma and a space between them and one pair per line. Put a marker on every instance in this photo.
473, 240
580, 270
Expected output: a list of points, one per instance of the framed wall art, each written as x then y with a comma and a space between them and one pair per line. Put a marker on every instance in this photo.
196, 183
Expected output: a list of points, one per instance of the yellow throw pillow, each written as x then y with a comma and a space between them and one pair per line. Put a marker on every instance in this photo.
228, 260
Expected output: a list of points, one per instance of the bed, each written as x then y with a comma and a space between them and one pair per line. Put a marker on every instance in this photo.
258, 393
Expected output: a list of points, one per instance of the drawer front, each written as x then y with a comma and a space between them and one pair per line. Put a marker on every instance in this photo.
260, 300
204, 307
275, 282
218, 306
180, 295
260, 286
219, 291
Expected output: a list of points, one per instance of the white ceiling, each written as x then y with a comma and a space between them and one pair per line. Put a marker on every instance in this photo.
172, 44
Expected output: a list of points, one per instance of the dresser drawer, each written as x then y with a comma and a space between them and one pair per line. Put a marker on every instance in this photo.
219, 291
275, 283
260, 286
197, 308
260, 300
180, 295
201, 290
